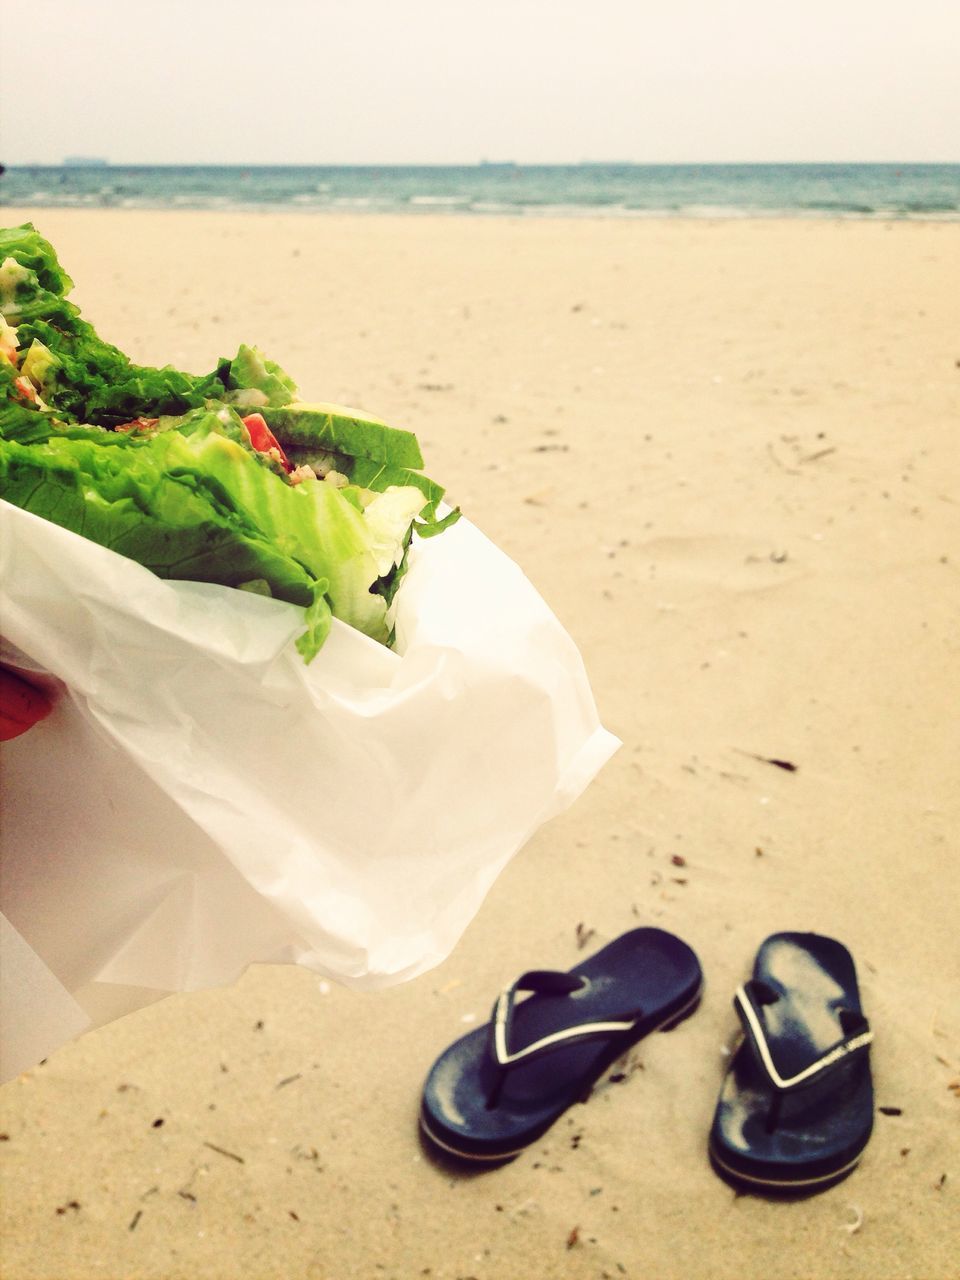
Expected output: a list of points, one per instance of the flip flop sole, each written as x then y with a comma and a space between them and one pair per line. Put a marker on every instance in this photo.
815, 1136
478, 1157
750, 1181
453, 1117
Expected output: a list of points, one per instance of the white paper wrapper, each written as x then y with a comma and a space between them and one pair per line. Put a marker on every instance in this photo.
201, 799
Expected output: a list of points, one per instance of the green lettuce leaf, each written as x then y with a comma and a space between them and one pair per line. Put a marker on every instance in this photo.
27, 246
251, 372
86, 379
379, 476
186, 494
195, 503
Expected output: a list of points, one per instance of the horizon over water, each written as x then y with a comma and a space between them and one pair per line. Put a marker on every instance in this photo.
874, 191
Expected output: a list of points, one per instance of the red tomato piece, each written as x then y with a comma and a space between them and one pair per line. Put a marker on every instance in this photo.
26, 390
263, 439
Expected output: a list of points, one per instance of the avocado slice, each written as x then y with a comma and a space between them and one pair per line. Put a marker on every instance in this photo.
333, 428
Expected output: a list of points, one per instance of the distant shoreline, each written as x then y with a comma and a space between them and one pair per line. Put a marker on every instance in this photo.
100, 162
927, 192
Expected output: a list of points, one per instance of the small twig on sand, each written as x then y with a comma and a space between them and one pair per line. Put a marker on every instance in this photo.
787, 765
231, 1155
821, 453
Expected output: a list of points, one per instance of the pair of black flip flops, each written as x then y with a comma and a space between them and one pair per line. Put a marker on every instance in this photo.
796, 1106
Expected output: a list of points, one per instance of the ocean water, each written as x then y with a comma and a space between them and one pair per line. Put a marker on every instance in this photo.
906, 191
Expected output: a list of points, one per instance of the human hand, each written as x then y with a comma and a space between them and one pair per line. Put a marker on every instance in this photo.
22, 704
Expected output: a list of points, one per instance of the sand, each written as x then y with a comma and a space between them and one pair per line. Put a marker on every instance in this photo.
726, 454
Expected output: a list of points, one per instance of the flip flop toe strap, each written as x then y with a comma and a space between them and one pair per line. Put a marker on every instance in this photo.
749, 1001
544, 982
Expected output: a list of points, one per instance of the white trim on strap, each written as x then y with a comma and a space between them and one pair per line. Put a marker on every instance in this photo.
760, 1039
506, 1058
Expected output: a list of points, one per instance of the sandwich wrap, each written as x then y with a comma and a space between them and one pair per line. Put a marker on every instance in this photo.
200, 798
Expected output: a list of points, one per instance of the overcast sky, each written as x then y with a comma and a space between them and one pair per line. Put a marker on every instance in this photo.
456, 81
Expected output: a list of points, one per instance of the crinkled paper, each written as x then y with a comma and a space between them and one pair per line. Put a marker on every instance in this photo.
201, 799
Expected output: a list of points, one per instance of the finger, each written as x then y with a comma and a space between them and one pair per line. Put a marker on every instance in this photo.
21, 705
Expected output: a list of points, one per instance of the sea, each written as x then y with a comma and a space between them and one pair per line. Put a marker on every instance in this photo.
878, 191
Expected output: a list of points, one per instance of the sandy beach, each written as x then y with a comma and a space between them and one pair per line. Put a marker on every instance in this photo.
725, 452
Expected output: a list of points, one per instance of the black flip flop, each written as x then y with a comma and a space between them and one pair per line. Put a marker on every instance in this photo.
499, 1088
796, 1107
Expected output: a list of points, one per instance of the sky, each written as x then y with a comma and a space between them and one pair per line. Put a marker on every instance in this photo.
458, 81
